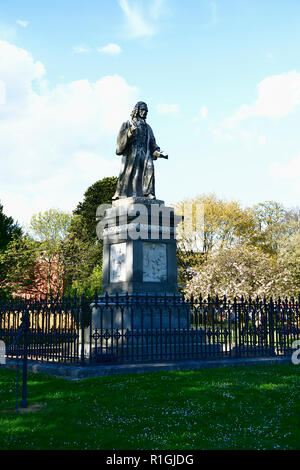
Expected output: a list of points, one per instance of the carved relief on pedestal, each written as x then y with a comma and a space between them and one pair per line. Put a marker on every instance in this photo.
118, 262
154, 262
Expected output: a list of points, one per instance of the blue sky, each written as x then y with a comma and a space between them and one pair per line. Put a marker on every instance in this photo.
221, 79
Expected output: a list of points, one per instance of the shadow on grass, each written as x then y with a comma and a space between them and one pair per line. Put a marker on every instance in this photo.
232, 408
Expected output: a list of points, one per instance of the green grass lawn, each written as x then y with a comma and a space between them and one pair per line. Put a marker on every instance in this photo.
226, 408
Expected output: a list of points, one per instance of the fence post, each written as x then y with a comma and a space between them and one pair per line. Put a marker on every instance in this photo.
271, 325
25, 324
237, 338
82, 311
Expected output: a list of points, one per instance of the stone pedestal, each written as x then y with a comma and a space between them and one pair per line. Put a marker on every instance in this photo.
140, 313
139, 261
139, 247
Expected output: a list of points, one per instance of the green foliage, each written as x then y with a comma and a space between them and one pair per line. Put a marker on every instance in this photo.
225, 224
271, 224
8, 229
289, 255
64, 253
86, 283
18, 266
38, 265
252, 251
50, 227
85, 259
10, 234
100, 192
84, 275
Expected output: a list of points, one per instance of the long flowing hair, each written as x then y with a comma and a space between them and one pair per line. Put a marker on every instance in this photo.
136, 109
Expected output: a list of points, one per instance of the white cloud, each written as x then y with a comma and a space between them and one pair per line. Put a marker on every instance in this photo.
136, 23
222, 135
262, 139
57, 141
110, 49
278, 95
17, 72
23, 23
81, 49
170, 109
2, 92
291, 170
203, 112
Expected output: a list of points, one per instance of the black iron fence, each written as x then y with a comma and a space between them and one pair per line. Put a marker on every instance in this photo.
54, 325
140, 328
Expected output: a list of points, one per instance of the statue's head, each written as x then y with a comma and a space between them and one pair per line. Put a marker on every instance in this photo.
140, 110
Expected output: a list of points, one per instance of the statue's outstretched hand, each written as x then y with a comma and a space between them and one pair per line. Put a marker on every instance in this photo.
159, 154
164, 155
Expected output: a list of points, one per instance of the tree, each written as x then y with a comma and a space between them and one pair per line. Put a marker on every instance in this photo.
50, 230
273, 224
99, 193
50, 227
241, 270
8, 228
224, 224
18, 266
289, 256
37, 264
84, 273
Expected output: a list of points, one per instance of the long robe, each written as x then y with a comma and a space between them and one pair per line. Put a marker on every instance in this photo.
137, 168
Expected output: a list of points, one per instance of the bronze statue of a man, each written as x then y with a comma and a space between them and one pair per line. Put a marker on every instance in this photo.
136, 142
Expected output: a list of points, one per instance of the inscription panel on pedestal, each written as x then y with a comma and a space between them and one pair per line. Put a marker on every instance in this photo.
154, 262
118, 262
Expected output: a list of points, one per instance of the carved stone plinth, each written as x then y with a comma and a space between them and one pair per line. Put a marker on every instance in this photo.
139, 247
